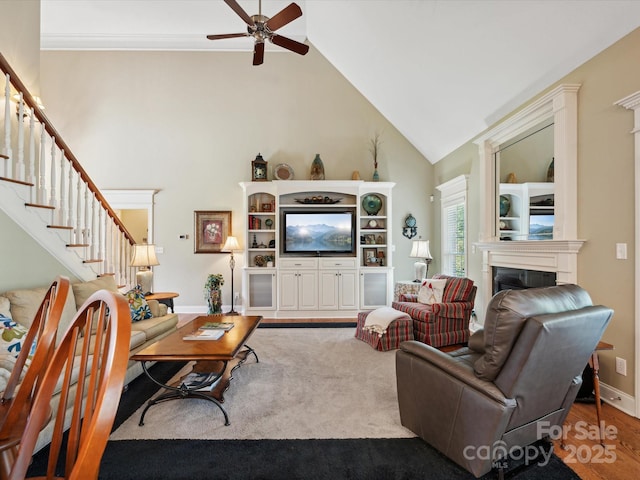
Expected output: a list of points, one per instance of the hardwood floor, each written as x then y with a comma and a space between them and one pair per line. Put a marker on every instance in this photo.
619, 459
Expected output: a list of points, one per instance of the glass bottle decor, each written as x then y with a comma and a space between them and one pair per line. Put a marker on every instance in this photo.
317, 168
376, 177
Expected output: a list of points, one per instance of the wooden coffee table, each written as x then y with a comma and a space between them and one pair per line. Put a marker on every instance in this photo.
220, 356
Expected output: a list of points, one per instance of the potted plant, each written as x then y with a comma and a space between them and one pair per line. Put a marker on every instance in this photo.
213, 293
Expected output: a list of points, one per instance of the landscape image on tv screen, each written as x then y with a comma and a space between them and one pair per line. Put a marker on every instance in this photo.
541, 227
318, 232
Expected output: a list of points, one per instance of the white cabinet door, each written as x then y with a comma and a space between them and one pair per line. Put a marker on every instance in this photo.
328, 289
288, 290
348, 290
307, 290
298, 290
262, 290
374, 288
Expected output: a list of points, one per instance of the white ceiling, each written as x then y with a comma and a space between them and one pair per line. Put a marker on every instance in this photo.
441, 71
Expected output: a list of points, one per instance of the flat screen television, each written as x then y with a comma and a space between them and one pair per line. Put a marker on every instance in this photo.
318, 232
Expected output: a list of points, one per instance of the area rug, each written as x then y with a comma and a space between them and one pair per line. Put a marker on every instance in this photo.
309, 383
356, 458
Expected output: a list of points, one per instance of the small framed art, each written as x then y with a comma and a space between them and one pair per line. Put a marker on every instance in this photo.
370, 256
211, 230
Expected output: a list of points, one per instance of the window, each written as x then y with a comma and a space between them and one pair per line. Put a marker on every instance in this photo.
454, 226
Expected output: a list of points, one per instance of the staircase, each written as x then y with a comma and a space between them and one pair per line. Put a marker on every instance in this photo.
45, 190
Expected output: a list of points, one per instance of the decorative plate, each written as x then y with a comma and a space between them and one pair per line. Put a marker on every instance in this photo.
372, 204
283, 172
319, 199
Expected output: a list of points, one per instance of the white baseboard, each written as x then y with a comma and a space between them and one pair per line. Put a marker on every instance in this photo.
618, 399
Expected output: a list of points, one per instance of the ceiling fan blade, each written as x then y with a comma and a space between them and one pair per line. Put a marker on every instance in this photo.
284, 16
241, 13
227, 35
258, 53
284, 42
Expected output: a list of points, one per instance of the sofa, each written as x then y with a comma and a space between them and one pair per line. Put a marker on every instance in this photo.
21, 306
441, 323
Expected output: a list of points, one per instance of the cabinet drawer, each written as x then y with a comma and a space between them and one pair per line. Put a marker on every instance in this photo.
297, 263
338, 262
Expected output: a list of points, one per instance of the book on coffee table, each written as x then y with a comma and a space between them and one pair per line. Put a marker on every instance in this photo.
204, 335
226, 326
201, 382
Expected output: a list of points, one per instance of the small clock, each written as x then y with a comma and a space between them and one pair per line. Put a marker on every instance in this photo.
259, 169
372, 224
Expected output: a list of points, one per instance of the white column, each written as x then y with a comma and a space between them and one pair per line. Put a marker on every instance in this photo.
632, 102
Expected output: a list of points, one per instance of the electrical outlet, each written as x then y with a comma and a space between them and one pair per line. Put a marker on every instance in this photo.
237, 297
621, 366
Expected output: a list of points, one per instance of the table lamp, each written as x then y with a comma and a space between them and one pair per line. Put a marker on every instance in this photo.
231, 245
420, 249
144, 256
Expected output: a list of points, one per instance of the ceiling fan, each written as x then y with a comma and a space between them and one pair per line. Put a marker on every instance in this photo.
262, 28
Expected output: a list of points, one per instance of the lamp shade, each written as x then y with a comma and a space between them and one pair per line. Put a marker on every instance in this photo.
144, 255
420, 249
230, 245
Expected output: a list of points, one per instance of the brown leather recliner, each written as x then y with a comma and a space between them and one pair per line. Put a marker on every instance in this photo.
512, 386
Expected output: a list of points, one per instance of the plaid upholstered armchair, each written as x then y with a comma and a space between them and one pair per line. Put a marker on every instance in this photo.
445, 323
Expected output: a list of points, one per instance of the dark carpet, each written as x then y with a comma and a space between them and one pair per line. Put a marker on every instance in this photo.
333, 459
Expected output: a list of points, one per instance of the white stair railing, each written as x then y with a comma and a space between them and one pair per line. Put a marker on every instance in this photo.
45, 163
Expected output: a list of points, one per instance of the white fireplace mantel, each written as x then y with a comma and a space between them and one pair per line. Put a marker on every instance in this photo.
559, 256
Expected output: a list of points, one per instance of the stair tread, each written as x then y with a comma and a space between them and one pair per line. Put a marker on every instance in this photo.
61, 227
39, 205
20, 182
94, 260
2, 155
73, 245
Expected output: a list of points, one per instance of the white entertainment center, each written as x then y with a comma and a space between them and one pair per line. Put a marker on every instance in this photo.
284, 279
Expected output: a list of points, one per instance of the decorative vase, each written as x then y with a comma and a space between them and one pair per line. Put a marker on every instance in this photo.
376, 177
505, 205
550, 171
214, 301
317, 168
371, 204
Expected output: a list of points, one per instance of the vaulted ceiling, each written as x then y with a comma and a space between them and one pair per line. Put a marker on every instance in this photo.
441, 71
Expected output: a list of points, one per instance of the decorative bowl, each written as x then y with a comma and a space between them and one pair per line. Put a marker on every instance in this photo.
371, 204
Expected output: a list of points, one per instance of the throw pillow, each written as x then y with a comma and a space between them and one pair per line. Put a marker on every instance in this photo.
12, 337
137, 304
83, 290
431, 291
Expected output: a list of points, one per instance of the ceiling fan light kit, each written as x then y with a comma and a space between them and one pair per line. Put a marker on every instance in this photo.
262, 28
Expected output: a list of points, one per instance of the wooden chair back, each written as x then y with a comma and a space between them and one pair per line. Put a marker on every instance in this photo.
16, 405
96, 349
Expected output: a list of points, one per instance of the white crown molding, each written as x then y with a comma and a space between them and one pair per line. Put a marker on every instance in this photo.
151, 42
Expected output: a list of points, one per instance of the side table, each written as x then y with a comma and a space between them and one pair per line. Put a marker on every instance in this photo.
405, 286
163, 297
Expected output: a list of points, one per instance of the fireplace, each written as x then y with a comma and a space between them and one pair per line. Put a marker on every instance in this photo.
505, 278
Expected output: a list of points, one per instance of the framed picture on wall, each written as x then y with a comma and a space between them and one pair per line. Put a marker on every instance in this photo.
211, 230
